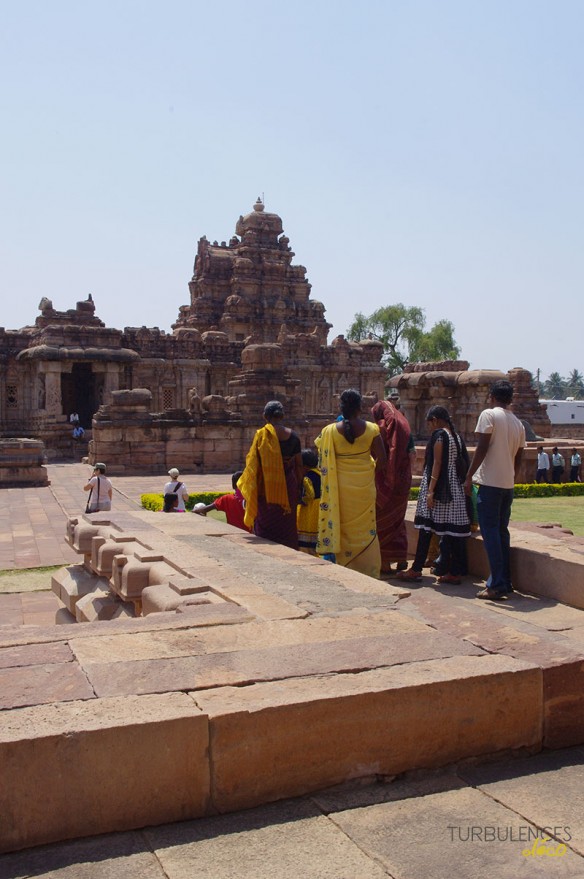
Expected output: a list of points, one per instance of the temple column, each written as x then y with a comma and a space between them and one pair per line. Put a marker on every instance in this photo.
53, 400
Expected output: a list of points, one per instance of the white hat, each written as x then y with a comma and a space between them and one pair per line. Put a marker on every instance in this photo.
173, 472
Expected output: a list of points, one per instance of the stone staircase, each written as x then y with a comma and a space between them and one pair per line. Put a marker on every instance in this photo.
216, 671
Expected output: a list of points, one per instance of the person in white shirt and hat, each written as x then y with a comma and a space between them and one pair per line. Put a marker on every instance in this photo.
178, 488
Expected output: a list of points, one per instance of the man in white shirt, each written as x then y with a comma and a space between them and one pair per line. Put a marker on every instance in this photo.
500, 444
543, 465
557, 465
176, 487
575, 465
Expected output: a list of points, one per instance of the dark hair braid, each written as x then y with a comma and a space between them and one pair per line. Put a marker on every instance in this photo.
351, 402
443, 414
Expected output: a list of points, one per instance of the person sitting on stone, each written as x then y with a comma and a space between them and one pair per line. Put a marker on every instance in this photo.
232, 505
175, 493
78, 432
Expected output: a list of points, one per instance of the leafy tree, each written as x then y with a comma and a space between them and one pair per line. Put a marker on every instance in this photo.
401, 330
555, 386
575, 385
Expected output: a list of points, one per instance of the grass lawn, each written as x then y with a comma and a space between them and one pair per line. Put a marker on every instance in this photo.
566, 511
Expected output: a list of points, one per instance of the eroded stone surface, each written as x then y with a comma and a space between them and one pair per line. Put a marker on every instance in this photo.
251, 635
266, 843
101, 765
271, 663
38, 654
43, 684
431, 836
275, 740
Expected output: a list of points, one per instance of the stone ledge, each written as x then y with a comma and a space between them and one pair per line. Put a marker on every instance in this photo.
84, 768
270, 741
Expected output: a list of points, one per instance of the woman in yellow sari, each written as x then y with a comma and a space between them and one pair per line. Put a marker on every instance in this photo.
350, 452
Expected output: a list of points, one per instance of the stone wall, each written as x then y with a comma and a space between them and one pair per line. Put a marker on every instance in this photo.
465, 393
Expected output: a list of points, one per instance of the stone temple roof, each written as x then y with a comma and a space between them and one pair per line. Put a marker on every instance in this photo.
259, 220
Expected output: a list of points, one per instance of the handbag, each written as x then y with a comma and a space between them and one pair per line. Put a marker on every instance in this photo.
88, 508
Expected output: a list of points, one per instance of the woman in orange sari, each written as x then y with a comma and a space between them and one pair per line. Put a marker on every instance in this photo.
271, 481
393, 485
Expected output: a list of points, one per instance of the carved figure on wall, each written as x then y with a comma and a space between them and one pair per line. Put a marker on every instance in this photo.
42, 395
45, 305
194, 402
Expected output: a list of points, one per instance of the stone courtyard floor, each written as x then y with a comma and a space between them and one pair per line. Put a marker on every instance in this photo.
468, 819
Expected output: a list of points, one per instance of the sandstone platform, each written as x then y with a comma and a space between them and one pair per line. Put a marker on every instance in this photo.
297, 676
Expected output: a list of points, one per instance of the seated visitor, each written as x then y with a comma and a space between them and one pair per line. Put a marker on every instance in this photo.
231, 504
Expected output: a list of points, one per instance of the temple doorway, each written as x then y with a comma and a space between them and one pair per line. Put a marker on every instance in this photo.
78, 393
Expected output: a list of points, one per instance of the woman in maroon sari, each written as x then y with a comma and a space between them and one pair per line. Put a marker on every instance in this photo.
393, 487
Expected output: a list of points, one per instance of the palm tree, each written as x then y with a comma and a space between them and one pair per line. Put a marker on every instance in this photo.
555, 387
575, 385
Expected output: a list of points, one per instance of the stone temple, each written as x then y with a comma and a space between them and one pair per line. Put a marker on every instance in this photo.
191, 398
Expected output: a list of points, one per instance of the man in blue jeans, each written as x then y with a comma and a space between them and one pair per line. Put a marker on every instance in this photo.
500, 443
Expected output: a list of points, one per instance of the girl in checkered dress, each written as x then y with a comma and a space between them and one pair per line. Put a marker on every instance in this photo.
442, 504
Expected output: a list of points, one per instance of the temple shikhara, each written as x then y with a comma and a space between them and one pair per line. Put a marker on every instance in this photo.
191, 398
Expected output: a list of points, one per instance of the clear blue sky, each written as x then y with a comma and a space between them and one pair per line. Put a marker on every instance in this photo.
429, 153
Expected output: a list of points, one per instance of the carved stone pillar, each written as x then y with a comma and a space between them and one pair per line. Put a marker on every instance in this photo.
53, 401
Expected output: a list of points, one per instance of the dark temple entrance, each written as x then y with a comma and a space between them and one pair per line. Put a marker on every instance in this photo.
78, 393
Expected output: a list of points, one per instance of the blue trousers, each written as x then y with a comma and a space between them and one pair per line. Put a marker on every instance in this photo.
494, 511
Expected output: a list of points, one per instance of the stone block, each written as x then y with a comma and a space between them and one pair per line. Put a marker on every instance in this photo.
272, 842
277, 662
163, 597
97, 606
85, 768
254, 635
73, 583
104, 550
35, 654
270, 741
564, 705
40, 684
64, 617
131, 576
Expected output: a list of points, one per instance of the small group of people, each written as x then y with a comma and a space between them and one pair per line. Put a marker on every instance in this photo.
346, 501
448, 483
363, 473
557, 465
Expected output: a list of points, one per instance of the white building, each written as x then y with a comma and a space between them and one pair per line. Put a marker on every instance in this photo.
568, 411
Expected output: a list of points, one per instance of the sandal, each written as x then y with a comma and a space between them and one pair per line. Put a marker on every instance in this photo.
410, 576
452, 579
491, 595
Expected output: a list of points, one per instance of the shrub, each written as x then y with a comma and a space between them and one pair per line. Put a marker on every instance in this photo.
549, 489
529, 490
154, 502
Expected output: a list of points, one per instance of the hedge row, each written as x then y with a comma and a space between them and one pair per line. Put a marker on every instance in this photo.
550, 489
155, 502
533, 489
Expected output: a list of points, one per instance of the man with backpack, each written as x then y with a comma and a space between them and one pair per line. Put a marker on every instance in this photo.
175, 493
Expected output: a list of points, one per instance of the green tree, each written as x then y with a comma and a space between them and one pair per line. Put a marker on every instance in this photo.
401, 331
575, 385
555, 386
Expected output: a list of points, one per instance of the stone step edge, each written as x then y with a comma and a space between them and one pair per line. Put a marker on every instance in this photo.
85, 768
